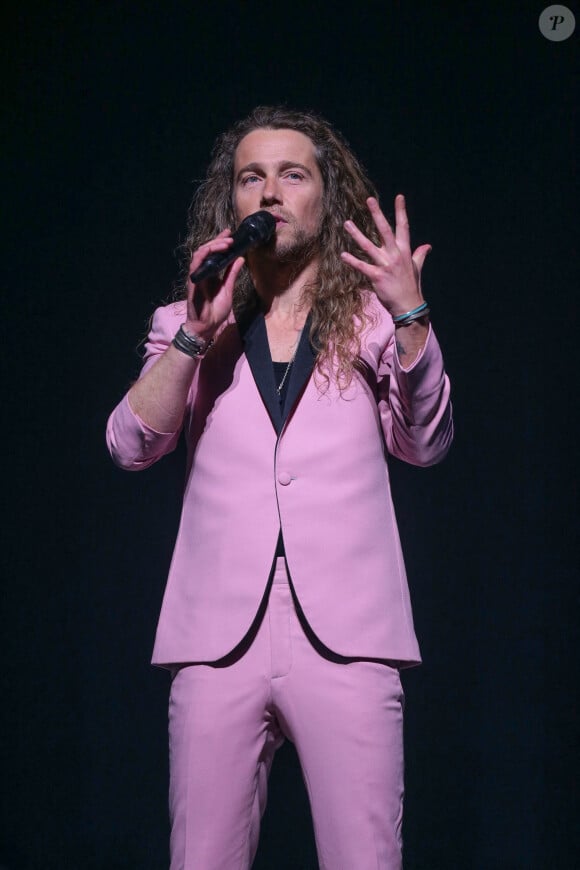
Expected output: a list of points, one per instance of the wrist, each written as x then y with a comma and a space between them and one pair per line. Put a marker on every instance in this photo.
403, 307
411, 324
413, 315
202, 331
190, 343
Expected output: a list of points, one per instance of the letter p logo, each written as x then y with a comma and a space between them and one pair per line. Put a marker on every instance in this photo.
557, 23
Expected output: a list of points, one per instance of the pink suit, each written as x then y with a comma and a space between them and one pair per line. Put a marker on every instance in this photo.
320, 476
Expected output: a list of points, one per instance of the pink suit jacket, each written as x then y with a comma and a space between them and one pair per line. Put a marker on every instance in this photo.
321, 476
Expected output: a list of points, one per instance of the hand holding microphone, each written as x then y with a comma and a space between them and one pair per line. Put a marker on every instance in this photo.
206, 311
257, 229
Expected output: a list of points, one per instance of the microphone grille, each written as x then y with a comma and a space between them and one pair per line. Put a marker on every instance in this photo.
262, 225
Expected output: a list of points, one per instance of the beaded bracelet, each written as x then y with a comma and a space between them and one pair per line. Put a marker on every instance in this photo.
191, 345
411, 316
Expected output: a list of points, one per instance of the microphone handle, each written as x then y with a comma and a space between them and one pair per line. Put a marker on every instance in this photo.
214, 264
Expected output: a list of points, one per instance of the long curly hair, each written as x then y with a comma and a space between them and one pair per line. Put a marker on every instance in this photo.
336, 297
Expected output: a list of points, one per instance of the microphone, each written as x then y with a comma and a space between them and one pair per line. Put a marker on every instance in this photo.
254, 230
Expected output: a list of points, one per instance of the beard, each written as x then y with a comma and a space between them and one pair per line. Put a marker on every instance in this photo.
297, 251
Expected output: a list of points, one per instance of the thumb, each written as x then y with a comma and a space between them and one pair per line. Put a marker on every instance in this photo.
419, 256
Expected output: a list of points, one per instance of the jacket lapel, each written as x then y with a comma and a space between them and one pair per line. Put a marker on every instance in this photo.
255, 340
301, 369
252, 329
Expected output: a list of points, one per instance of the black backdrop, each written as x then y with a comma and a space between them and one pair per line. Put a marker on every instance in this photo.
111, 111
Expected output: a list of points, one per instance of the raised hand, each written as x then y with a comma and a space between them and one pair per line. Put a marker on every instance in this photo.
394, 270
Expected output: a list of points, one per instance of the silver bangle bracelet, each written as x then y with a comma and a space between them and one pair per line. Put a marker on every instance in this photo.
411, 318
192, 345
423, 308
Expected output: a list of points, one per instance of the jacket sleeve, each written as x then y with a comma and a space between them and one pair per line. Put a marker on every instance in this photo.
132, 443
415, 405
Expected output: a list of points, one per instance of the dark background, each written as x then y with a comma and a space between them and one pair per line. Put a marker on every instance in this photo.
110, 113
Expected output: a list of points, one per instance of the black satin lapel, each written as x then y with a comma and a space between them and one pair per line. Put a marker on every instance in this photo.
255, 340
301, 368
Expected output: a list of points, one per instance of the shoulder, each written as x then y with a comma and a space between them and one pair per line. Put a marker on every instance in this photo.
169, 316
373, 308
164, 323
378, 323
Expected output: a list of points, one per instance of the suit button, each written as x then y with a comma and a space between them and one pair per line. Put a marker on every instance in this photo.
284, 478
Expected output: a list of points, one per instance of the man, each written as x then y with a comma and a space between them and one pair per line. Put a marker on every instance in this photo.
287, 612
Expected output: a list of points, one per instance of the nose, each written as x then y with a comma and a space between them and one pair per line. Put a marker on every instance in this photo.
270, 192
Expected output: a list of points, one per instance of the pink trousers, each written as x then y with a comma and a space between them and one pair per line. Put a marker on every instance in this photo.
225, 724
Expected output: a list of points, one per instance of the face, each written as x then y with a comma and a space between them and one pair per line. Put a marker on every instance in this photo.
276, 170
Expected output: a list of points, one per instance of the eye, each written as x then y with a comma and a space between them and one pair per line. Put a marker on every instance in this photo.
294, 175
249, 180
